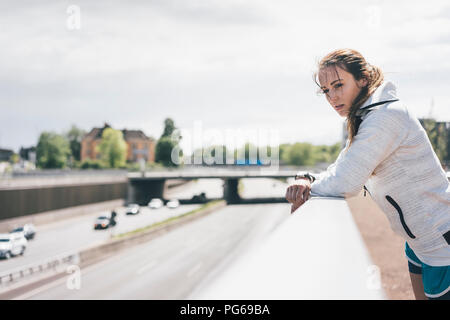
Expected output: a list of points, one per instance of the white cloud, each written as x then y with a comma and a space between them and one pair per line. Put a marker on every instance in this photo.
229, 63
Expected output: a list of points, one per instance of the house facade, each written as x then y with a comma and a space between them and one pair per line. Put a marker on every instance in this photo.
139, 146
5, 154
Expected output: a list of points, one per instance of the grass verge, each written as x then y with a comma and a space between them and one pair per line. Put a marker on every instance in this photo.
160, 223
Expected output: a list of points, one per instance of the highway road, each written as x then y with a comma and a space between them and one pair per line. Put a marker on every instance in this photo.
76, 233
171, 266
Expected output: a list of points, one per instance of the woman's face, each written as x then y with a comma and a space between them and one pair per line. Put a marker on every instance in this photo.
340, 88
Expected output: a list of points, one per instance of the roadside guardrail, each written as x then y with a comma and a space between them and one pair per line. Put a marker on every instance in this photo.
55, 264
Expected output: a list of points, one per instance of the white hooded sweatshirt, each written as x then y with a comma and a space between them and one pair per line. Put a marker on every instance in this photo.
392, 156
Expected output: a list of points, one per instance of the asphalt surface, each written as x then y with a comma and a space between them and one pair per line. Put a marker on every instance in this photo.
183, 256
73, 234
171, 266
238, 252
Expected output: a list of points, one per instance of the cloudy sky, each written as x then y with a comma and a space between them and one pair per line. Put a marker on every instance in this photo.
228, 64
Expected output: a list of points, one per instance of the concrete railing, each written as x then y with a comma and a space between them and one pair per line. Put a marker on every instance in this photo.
317, 253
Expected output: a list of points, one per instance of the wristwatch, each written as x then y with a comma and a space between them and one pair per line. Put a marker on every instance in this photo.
305, 175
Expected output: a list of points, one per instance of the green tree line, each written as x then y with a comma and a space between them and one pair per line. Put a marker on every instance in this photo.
296, 154
439, 137
306, 154
55, 151
64, 150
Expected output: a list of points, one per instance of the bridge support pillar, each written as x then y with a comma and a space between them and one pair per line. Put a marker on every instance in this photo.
230, 191
142, 191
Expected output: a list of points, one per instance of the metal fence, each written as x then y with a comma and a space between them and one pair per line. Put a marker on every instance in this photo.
55, 264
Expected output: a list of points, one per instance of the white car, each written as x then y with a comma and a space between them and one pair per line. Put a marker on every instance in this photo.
172, 204
28, 230
12, 244
155, 203
132, 209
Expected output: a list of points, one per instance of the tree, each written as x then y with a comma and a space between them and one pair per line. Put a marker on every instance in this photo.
75, 136
52, 151
305, 154
214, 154
14, 158
163, 152
438, 136
301, 154
167, 144
169, 128
334, 150
284, 153
91, 164
321, 154
327, 154
113, 148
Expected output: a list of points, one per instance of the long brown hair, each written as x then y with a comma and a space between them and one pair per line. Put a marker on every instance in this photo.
353, 62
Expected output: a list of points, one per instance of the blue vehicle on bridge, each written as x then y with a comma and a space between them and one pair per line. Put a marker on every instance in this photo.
248, 162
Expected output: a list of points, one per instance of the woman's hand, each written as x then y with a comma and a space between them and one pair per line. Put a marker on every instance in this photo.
298, 193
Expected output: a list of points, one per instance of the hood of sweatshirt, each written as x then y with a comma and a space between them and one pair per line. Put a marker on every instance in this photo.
386, 92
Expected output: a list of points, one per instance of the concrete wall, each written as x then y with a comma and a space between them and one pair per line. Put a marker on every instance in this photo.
44, 218
17, 202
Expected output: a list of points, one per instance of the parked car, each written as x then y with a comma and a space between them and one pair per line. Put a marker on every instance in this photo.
155, 203
28, 230
104, 222
132, 209
172, 204
12, 244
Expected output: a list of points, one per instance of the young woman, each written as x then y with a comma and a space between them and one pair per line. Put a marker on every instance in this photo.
388, 154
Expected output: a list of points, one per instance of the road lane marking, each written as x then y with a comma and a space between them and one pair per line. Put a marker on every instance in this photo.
63, 280
147, 267
41, 289
194, 269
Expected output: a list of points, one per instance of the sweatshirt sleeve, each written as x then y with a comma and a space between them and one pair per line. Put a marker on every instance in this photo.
332, 166
379, 135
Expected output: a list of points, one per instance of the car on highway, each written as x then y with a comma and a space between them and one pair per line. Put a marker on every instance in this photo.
132, 209
155, 203
173, 203
104, 222
28, 230
200, 198
12, 244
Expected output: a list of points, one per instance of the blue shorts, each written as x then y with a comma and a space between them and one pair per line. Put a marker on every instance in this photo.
436, 280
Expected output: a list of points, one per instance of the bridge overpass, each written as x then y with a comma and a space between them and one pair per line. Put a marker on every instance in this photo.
143, 186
